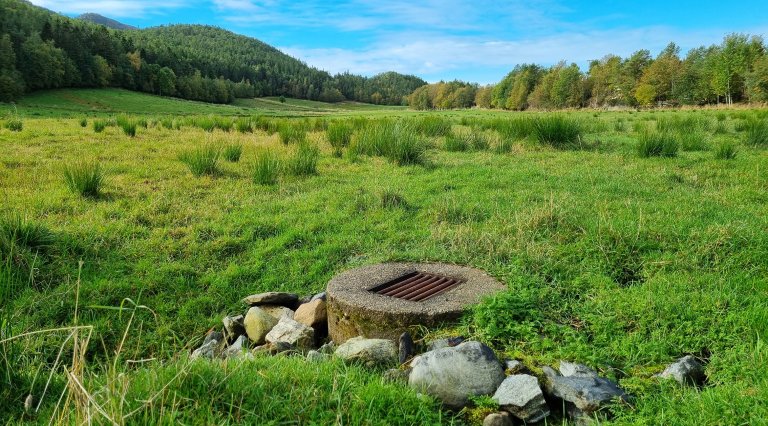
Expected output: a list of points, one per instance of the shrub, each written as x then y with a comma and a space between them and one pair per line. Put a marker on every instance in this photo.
14, 124
290, 133
99, 125
232, 152
267, 168
656, 144
85, 178
557, 131
725, 151
339, 135
202, 161
304, 160
757, 132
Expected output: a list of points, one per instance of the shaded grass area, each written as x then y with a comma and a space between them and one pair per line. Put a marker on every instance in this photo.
619, 262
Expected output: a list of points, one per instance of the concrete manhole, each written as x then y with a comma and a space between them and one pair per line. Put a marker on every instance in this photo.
384, 300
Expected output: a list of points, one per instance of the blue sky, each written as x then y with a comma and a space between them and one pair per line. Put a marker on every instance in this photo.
478, 41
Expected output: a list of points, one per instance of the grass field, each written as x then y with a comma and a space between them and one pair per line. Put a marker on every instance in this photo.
627, 239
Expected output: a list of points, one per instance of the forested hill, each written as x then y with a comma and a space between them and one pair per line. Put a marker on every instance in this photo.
40, 49
103, 20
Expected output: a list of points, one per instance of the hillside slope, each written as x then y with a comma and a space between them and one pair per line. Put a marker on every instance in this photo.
107, 22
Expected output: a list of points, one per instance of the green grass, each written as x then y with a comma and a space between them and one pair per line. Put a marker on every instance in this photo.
232, 152
398, 141
725, 151
611, 260
84, 178
304, 160
757, 132
657, 144
291, 133
557, 131
14, 124
339, 135
203, 160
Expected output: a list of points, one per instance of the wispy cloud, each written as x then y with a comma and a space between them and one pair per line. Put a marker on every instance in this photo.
113, 8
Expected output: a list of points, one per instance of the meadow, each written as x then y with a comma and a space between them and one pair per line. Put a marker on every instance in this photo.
627, 240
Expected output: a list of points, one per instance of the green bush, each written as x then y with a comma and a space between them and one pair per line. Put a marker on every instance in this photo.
656, 144
202, 161
557, 131
725, 151
232, 152
304, 160
267, 168
85, 178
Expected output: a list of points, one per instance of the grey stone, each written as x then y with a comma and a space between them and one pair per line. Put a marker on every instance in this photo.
315, 356
273, 348
405, 347
272, 298
328, 348
312, 314
29, 403
396, 375
368, 351
521, 395
213, 335
258, 323
570, 369
498, 419
318, 296
237, 348
586, 394
234, 326
293, 333
513, 366
686, 371
453, 374
277, 311
206, 351
448, 342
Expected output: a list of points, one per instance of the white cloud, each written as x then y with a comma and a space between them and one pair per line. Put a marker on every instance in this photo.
112, 8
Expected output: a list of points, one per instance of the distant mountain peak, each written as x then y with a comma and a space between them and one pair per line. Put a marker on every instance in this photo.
107, 22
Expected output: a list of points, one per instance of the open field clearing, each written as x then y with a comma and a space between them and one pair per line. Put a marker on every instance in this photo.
626, 239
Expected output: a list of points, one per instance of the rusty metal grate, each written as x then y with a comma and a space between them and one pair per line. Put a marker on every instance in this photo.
417, 286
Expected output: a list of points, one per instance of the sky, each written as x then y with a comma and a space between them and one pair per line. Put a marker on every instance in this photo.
477, 41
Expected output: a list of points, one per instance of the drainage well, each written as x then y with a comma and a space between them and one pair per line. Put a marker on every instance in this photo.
384, 300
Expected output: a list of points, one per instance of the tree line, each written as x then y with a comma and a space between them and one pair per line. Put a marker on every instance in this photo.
735, 70
43, 50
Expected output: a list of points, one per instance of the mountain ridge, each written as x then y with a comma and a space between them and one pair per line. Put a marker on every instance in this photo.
107, 22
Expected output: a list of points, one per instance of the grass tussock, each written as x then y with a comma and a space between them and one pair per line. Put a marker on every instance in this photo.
128, 125
232, 152
291, 133
756, 132
267, 168
398, 141
99, 125
339, 135
244, 125
657, 144
432, 126
304, 160
14, 124
203, 160
557, 131
85, 178
725, 151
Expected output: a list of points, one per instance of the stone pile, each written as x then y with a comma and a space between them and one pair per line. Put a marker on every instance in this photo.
453, 370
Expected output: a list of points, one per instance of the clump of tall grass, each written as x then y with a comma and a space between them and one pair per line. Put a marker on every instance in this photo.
83, 122
557, 131
167, 123
232, 152
128, 125
339, 135
304, 160
14, 124
85, 178
291, 133
682, 125
244, 125
398, 141
515, 128
456, 143
464, 141
223, 123
267, 168
757, 132
202, 161
656, 144
206, 123
432, 126
620, 126
725, 151
267, 125
694, 141
99, 125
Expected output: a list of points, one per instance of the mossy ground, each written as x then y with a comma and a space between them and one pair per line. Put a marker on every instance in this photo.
620, 262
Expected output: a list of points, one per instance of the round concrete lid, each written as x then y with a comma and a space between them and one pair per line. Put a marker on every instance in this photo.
352, 288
